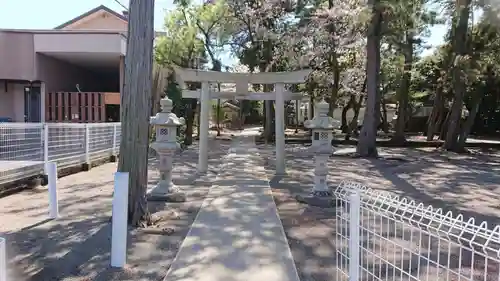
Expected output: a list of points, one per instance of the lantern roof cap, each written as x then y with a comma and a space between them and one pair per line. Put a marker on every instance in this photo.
166, 117
321, 119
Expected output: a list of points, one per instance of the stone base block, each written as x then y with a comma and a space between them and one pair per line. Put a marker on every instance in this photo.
322, 193
45, 180
313, 199
176, 197
86, 167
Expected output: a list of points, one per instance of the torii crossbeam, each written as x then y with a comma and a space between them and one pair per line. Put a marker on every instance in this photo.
242, 82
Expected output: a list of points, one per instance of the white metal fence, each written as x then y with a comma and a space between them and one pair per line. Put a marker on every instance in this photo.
384, 237
26, 147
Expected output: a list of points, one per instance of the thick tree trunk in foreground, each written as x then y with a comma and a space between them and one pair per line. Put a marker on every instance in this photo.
135, 108
367, 146
460, 51
404, 91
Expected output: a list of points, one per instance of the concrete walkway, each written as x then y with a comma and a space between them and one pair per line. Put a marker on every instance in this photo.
237, 234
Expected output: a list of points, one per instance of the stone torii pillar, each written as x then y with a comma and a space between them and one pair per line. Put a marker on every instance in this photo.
205, 104
279, 123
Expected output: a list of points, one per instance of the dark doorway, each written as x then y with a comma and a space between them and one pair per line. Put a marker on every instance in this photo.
32, 104
112, 113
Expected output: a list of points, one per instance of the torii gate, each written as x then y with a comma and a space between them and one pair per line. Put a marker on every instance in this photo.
242, 82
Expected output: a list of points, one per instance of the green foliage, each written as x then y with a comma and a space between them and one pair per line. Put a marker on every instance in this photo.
329, 36
181, 45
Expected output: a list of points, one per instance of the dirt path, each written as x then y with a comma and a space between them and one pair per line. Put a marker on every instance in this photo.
77, 246
462, 184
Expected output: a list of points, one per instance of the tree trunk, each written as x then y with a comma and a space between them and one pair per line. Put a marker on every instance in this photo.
469, 122
432, 122
444, 126
198, 116
311, 109
264, 120
441, 120
459, 45
385, 122
353, 125
135, 108
367, 146
190, 114
399, 134
269, 112
344, 126
332, 101
453, 128
241, 114
217, 114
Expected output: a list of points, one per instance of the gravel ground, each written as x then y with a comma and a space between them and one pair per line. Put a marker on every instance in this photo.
77, 246
466, 184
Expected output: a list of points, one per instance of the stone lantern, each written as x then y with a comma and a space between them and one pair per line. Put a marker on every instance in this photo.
322, 134
165, 124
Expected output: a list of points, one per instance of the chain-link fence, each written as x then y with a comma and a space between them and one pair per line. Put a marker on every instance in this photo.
25, 148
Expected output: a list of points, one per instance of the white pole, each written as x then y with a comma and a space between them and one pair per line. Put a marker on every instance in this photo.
53, 203
52, 177
280, 128
204, 123
119, 221
354, 228
87, 144
113, 149
3, 259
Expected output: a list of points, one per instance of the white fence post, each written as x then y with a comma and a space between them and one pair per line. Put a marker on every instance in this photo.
46, 147
87, 144
3, 259
53, 202
119, 221
354, 229
114, 141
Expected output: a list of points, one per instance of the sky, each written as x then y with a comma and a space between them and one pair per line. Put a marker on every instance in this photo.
47, 14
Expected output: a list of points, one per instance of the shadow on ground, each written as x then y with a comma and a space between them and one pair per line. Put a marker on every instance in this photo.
467, 185
77, 245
